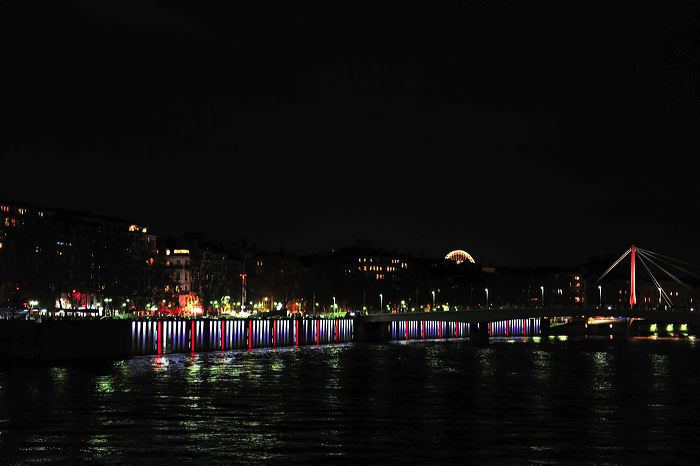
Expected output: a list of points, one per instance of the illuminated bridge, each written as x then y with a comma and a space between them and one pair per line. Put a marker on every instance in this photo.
495, 315
482, 323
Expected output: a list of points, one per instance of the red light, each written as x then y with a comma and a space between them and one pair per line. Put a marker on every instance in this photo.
296, 332
192, 336
223, 335
160, 337
250, 334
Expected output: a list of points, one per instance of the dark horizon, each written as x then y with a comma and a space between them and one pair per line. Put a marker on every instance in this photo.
525, 134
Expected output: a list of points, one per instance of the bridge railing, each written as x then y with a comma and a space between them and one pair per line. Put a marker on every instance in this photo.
604, 310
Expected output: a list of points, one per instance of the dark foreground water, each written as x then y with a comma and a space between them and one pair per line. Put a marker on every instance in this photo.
515, 400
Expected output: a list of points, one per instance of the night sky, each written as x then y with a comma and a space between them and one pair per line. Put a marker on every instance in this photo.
526, 134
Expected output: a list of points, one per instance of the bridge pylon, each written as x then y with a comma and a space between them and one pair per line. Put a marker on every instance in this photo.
645, 256
633, 285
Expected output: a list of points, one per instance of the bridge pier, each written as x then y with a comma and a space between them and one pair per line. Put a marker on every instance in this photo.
364, 331
479, 333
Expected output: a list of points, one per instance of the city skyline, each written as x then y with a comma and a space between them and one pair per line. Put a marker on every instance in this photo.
184, 238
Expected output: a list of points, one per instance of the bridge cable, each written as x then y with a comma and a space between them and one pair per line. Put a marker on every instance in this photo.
659, 258
658, 283
669, 258
614, 264
663, 293
676, 279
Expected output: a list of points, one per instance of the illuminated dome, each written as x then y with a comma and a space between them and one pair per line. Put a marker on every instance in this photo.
460, 256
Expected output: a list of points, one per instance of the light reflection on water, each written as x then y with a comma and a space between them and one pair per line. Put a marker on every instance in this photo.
514, 400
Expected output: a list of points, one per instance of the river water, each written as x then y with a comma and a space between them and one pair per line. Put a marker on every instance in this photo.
516, 400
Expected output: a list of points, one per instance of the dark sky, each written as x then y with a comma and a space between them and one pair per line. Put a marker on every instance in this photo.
525, 134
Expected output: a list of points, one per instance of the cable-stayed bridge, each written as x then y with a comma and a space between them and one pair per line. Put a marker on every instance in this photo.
654, 264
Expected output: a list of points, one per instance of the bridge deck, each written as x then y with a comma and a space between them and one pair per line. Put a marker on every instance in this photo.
493, 315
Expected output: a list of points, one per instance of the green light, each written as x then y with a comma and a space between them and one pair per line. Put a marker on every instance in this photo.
669, 328
684, 327
652, 328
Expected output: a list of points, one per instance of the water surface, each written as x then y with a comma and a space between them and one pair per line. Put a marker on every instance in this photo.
514, 400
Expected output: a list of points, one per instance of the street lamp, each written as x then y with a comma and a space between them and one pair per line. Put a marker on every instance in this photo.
542, 289
600, 296
381, 302
433, 293
487, 296
659, 296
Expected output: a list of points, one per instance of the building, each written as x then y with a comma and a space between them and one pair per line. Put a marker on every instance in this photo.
178, 266
202, 275
66, 259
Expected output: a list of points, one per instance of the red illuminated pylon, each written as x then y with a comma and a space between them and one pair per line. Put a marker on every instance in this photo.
633, 288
